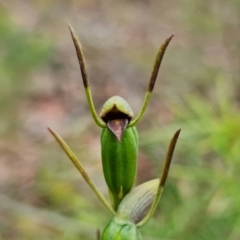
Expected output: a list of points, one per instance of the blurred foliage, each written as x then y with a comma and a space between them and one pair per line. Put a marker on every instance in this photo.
21, 52
42, 195
205, 205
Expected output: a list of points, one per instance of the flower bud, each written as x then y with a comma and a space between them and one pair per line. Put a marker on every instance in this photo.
136, 204
119, 229
119, 149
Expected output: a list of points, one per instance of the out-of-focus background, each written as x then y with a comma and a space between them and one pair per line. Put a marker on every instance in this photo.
198, 90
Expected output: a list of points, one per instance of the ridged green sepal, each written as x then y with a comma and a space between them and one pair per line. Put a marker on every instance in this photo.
119, 161
137, 203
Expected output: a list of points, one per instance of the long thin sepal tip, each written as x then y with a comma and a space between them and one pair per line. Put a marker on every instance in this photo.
80, 56
157, 62
80, 168
169, 157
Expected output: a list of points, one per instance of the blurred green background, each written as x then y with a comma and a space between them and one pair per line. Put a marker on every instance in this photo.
42, 194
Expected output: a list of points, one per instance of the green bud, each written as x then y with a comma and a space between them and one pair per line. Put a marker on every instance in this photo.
119, 148
119, 229
132, 210
136, 204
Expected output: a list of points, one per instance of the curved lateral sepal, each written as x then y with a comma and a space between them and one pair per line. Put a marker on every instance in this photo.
83, 69
80, 168
152, 80
162, 178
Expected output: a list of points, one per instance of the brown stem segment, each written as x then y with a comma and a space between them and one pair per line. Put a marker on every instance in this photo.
98, 234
